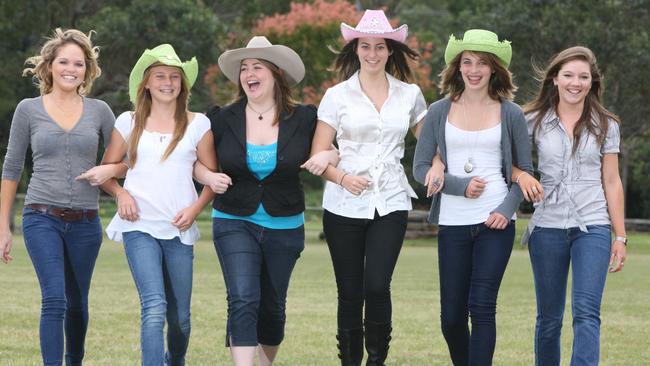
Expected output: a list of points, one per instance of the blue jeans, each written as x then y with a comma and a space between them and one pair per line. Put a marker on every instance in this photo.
162, 271
256, 263
552, 252
472, 260
63, 254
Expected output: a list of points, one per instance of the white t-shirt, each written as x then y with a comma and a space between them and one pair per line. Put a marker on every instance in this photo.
371, 145
160, 188
484, 148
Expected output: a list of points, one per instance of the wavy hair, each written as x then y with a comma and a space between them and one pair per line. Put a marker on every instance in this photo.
41, 63
595, 117
500, 86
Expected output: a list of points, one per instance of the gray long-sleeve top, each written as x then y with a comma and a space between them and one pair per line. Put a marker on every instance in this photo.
58, 155
515, 149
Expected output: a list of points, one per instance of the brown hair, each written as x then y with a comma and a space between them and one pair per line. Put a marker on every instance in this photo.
500, 86
347, 61
281, 92
143, 110
41, 63
595, 117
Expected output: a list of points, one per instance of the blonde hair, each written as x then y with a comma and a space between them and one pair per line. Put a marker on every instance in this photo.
143, 110
41, 63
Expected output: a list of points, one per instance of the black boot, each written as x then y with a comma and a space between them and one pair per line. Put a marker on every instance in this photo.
350, 346
377, 339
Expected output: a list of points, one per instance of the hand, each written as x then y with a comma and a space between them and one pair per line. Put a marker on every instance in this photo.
317, 164
355, 184
530, 187
97, 175
497, 221
185, 218
126, 206
475, 187
617, 261
435, 178
5, 245
219, 182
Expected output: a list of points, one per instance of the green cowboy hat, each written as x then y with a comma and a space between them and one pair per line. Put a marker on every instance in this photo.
166, 55
479, 40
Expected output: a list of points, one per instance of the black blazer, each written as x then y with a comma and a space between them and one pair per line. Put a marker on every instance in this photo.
281, 191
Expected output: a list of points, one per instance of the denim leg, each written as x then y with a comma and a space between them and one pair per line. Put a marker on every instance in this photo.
82, 241
384, 239
177, 272
491, 252
281, 249
590, 254
145, 257
346, 243
550, 257
241, 258
44, 242
455, 269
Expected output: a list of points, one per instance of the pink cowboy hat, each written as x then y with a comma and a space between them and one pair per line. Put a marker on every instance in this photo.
374, 24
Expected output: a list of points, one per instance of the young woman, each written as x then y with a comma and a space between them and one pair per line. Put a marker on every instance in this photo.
261, 139
161, 141
60, 224
367, 197
479, 134
577, 141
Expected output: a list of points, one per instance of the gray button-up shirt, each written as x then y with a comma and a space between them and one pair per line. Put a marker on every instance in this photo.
58, 155
573, 188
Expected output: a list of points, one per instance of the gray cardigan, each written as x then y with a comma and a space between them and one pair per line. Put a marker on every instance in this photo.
58, 155
515, 149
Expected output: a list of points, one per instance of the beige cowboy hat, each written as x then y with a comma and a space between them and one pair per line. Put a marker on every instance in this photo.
260, 48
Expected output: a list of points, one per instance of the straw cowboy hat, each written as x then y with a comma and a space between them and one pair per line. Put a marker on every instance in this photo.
479, 40
165, 55
374, 24
260, 48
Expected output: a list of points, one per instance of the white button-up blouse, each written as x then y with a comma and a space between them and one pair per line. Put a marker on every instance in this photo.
371, 145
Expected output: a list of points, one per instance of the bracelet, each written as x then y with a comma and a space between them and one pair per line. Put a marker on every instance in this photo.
341, 179
519, 176
621, 239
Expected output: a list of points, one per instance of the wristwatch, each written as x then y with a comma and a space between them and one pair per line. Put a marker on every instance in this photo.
622, 239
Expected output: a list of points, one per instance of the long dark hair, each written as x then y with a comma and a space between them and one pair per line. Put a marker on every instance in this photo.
500, 86
281, 92
347, 61
595, 117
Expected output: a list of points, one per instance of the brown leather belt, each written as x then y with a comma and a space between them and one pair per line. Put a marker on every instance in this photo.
65, 214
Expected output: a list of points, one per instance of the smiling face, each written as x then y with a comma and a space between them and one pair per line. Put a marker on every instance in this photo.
68, 68
373, 54
164, 83
573, 82
256, 79
475, 70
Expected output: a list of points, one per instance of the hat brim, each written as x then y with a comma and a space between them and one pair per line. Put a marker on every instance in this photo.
502, 50
190, 71
282, 56
399, 34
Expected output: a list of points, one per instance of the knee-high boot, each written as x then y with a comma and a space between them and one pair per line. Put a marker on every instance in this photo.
350, 346
377, 340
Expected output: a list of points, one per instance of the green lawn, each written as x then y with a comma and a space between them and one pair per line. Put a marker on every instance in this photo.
113, 337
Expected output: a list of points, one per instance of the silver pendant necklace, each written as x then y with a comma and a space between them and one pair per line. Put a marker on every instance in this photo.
469, 165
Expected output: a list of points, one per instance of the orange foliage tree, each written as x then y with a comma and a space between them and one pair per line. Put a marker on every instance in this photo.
312, 29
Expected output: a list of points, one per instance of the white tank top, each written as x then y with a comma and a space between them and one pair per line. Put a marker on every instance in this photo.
484, 147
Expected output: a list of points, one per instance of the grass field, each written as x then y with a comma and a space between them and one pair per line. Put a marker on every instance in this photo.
113, 336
